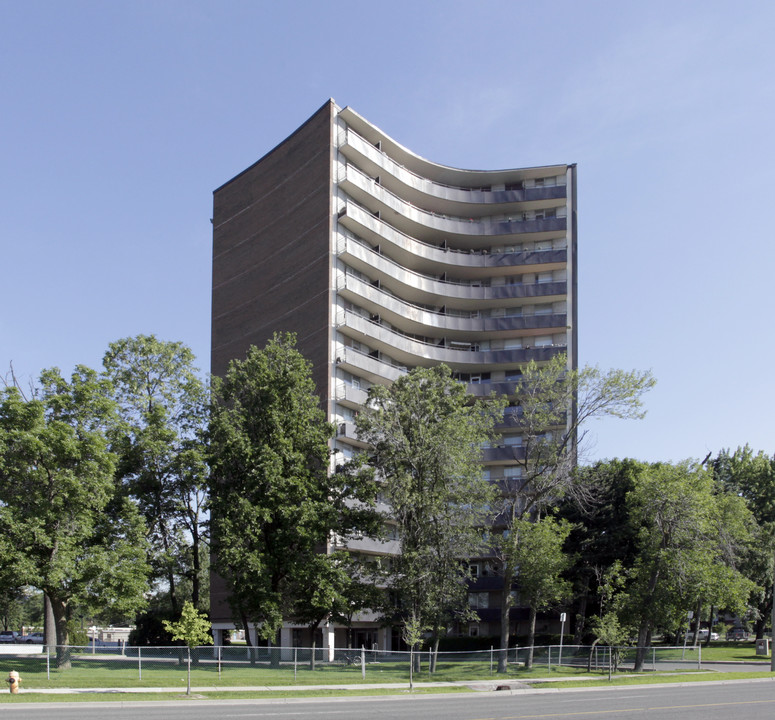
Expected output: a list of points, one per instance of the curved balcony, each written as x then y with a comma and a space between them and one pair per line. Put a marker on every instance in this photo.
349, 396
418, 288
421, 256
371, 546
428, 225
369, 366
437, 196
443, 174
420, 321
416, 352
512, 416
483, 389
502, 455
346, 433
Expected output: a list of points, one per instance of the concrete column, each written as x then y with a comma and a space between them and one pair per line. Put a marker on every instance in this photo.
329, 640
386, 638
286, 641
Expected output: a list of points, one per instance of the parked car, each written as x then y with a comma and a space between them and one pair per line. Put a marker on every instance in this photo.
9, 636
737, 633
33, 638
703, 635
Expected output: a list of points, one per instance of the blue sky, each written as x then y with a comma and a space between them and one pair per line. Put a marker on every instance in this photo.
120, 119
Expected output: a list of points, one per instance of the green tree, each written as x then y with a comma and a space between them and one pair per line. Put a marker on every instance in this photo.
194, 630
607, 626
275, 506
161, 402
537, 550
687, 538
425, 436
75, 538
555, 405
752, 476
601, 534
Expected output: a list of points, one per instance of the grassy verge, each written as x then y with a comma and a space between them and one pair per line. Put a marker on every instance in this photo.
90, 672
657, 679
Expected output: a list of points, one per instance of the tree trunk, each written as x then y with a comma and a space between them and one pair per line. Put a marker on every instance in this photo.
195, 580
313, 645
274, 652
49, 627
644, 633
581, 615
503, 653
640, 652
435, 652
531, 634
248, 640
759, 628
59, 610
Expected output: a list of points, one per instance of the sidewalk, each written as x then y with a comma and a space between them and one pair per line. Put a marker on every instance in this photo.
476, 685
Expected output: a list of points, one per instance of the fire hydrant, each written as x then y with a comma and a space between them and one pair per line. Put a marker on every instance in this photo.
13, 681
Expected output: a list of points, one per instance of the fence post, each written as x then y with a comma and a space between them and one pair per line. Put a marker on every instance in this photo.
363, 662
48, 662
139, 663
219, 662
699, 656
653, 658
295, 659
549, 658
491, 649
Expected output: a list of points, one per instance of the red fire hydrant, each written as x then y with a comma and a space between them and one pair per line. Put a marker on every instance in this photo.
13, 681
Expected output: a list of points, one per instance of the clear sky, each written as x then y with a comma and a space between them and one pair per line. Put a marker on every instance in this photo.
119, 119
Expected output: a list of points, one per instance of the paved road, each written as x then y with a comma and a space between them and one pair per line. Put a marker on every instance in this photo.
752, 700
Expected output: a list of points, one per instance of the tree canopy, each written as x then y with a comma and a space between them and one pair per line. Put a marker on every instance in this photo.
73, 535
555, 404
161, 403
425, 438
275, 506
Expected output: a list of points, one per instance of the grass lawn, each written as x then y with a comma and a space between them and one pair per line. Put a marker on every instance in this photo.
116, 671
660, 679
89, 671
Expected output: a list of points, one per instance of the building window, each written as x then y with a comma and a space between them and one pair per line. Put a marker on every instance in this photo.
479, 600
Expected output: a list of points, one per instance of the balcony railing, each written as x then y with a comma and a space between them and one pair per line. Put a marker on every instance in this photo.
418, 282
428, 352
433, 187
442, 253
355, 180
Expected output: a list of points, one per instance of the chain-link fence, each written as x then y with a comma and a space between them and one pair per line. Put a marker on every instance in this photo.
235, 665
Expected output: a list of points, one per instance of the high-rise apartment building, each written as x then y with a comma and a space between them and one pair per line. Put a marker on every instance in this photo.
381, 261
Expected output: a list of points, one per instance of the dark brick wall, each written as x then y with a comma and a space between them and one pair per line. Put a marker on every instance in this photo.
271, 260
